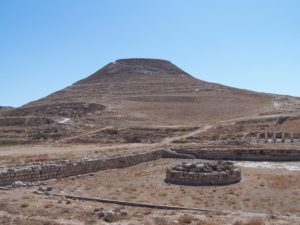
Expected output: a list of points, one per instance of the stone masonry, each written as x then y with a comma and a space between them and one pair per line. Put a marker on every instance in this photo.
202, 174
65, 168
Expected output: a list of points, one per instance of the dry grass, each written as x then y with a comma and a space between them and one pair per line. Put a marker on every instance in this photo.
254, 221
203, 222
161, 221
283, 182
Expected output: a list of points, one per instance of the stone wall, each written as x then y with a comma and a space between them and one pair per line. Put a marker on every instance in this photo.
65, 168
202, 179
251, 154
59, 169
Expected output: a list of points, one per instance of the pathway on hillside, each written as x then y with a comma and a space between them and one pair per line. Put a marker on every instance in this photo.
190, 134
83, 135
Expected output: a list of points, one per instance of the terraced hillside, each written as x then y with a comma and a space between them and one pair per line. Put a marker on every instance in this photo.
135, 93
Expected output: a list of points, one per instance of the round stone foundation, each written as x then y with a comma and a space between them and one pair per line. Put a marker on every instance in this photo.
204, 174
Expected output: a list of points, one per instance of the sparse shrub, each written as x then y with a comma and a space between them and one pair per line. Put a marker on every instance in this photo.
48, 205
185, 219
147, 212
24, 205
161, 221
132, 139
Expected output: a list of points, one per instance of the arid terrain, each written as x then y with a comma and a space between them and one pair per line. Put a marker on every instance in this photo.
264, 196
144, 100
141, 105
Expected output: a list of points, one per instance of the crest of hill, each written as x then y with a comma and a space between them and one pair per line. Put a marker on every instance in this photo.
129, 69
127, 78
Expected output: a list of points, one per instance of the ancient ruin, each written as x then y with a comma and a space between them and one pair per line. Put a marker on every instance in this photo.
204, 173
72, 167
277, 137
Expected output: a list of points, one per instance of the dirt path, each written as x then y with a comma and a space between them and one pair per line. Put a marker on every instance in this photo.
59, 148
83, 135
190, 134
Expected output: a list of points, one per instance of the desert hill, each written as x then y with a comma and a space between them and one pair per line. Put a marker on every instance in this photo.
132, 100
155, 92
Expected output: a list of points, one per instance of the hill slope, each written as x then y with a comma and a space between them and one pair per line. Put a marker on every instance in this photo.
146, 91
128, 93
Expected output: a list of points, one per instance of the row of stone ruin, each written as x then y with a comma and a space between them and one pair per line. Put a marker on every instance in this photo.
284, 137
65, 168
200, 174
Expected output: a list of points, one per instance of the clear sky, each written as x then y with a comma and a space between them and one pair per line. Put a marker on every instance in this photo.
47, 45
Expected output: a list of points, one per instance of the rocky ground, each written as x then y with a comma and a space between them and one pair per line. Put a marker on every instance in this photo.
264, 196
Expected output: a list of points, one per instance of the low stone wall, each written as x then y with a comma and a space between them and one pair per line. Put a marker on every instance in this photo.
229, 174
59, 169
251, 154
65, 168
168, 153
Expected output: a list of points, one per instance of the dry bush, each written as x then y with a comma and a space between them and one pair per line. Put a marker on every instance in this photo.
185, 219
161, 221
147, 212
112, 218
162, 195
24, 205
48, 205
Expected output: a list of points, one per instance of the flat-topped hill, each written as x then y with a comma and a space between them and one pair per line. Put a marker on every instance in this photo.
130, 93
156, 92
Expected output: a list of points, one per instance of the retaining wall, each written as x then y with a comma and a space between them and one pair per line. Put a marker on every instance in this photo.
251, 154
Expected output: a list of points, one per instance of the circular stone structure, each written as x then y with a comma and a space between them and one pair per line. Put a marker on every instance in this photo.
204, 174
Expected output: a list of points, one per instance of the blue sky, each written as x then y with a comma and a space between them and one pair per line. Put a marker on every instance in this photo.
48, 45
